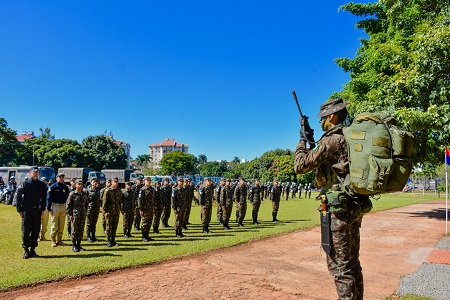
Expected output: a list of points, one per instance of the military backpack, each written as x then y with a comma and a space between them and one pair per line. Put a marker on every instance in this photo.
379, 154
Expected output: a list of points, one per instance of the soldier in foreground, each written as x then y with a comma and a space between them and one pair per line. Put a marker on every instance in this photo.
330, 160
137, 217
127, 209
206, 194
76, 207
226, 199
146, 203
30, 205
102, 194
178, 202
112, 199
93, 209
255, 200
219, 205
157, 211
240, 197
275, 195
166, 194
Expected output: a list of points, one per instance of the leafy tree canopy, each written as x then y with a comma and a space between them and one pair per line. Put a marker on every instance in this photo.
178, 163
403, 68
8, 143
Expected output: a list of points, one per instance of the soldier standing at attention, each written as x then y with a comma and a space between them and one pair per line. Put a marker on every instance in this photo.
112, 199
329, 159
93, 209
226, 199
30, 205
137, 216
219, 205
294, 190
72, 188
76, 207
44, 220
102, 194
178, 201
157, 211
255, 199
166, 192
300, 190
56, 205
240, 197
187, 208
275, 195
146, 205
206, 194
127, 209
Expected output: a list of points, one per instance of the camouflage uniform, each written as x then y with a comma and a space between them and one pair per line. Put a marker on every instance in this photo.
146, 204
127, 208
240, 197
69, 223
255, 199
76, 209
137, 216
329, 159
189, 197
178, 202
275, 195
157, 211
219, 203
93, 210
206, 194
166, 193
102, 194
112, 199
226, 200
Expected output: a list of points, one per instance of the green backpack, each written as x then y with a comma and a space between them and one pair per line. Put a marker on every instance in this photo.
379, 154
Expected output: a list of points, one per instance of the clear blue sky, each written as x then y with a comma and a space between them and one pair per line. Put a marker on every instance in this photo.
216, 75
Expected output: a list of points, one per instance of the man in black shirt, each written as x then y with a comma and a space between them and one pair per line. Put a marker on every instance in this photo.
31, 196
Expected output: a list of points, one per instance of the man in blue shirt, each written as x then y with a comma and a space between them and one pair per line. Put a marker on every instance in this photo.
56, 205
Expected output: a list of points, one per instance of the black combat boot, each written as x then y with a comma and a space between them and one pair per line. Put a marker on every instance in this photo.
79, 246
109, 242
129, 234
89, 236
94, 239
75, 247
33, 253
145, 236
26, 254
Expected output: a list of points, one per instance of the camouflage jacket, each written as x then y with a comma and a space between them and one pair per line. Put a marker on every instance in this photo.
112, 199
329, 158
127, 201
94, 201
166, 193
275, 193
77, 204
206, 195
226, 196
178, 198
158, 198
240, 194
146, 199
255, 194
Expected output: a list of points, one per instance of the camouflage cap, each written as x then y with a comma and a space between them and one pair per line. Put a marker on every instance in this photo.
79, 181
331, 106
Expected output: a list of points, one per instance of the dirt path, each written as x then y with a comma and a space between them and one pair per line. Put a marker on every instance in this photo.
394, 243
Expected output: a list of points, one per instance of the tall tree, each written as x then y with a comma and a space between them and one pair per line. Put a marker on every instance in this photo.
202, 159
403, 68
45, 133
178, 163
101, 152
8, 143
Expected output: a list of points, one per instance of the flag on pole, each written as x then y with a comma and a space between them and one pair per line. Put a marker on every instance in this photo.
447, 156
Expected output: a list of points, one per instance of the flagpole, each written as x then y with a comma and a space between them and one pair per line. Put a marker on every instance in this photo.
446, 191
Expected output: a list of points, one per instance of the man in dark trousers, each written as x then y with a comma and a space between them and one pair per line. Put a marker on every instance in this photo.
31, 196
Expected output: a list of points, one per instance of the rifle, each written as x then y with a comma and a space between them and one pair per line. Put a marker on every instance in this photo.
306, 130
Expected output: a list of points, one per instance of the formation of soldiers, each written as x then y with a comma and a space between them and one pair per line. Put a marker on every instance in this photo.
145, 205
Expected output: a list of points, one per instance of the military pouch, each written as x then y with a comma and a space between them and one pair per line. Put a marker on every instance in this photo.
366, 206
337, 202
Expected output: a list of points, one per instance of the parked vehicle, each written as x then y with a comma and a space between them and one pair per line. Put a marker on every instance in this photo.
122, 175
21, 172
85, 174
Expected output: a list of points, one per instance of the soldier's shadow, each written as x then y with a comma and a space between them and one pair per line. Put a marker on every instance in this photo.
84, 254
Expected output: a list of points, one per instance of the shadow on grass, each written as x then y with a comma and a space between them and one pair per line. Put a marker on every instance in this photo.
438, 214
84, 254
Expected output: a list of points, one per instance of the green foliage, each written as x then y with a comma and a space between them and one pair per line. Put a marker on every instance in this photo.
403, 68
8, 143
100, 152
61, 262
202, 159
213, 168
178, 163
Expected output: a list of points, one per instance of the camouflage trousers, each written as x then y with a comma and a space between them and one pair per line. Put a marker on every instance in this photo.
275, 206
69, 225
179, 217
206, 215
255, 210
226, 214
137, 217
343, 261
77, 225
219, 213
91, 219
165, 214
112, 221
157, 212
187, 212
147, 218
128, 217
241, 210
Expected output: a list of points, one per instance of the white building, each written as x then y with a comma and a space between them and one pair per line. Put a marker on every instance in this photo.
157, 150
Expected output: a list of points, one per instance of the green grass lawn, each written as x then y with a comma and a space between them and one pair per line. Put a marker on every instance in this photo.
61, 262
